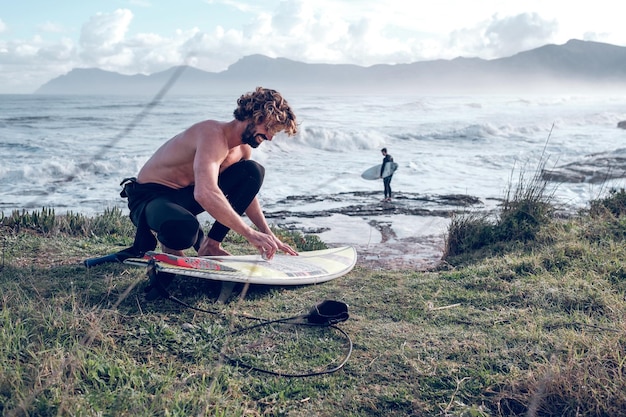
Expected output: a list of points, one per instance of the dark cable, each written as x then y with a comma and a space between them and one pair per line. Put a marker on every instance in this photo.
312, 322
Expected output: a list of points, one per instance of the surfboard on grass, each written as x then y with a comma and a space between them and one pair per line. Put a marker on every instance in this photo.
309, 267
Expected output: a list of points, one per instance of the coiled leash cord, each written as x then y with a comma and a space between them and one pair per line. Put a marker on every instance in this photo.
328, 313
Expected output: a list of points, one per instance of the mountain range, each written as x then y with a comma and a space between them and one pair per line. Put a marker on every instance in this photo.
574, 66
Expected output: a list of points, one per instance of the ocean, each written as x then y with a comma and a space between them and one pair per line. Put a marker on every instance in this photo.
71, 152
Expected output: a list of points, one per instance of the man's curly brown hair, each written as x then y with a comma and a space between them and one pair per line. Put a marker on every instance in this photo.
267, 106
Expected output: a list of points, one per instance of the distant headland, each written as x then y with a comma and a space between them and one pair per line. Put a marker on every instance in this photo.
574, 66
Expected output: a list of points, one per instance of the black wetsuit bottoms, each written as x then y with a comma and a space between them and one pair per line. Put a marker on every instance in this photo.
171, 213
387, 186
386, 180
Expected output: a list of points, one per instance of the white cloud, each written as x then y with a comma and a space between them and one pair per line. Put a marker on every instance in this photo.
516, 33
61, 52
103, 34
306, 33
104, 44
324, 31
25, 65
51, 27
499, 37
302, 33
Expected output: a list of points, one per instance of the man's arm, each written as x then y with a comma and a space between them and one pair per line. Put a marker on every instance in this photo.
211, 151
256, 216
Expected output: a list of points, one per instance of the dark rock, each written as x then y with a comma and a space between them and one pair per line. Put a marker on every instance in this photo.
368, 204
593, 169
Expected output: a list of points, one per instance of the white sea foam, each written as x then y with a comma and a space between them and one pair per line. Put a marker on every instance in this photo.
72, 152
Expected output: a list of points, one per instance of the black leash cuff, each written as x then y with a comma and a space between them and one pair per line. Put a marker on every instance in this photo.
328, 312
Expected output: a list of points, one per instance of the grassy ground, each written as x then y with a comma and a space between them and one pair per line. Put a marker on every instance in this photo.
531, 327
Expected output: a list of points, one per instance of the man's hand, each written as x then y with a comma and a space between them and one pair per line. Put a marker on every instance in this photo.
284, 247
268, 244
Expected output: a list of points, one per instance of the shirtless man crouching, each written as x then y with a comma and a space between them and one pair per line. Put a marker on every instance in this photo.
208, 168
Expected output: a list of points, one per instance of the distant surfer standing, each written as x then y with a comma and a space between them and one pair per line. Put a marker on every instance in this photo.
386, 173
208, 168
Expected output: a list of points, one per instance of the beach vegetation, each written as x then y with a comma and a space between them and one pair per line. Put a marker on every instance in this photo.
526, 208
534, 326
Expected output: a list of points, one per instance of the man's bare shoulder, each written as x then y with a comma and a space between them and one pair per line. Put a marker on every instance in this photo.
207, 133
207, 128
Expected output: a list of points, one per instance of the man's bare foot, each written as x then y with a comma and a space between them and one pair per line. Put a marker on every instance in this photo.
210, 247
174, 252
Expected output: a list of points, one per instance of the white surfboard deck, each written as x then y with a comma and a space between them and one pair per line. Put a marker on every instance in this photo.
309, 267
372, 173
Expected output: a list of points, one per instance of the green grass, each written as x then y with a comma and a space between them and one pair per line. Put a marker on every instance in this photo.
511, 327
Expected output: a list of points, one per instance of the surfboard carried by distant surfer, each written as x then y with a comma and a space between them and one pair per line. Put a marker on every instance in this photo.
373, 173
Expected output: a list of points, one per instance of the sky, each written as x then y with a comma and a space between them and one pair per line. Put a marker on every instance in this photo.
43, 39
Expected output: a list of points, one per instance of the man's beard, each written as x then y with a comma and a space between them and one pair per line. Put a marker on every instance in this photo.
249, 136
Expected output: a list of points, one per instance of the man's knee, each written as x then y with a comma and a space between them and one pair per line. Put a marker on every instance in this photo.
254, 170
179, 234
244, 176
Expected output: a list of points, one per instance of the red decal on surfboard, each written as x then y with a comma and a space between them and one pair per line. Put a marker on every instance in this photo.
184, 261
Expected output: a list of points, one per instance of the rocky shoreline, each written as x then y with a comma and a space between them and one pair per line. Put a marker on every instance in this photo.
593, 169
406, 233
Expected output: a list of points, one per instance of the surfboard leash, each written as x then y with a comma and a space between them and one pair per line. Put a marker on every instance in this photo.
242, 364
327, 313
